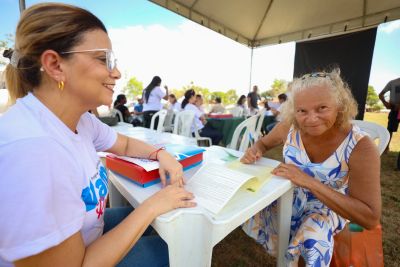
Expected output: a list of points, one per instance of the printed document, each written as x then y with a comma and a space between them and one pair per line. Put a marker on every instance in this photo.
214, 184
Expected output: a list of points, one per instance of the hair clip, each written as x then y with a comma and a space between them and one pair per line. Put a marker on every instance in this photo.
15, 57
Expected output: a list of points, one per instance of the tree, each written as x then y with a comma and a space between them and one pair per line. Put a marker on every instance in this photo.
372, 97
133, 88
373, 100
278, 87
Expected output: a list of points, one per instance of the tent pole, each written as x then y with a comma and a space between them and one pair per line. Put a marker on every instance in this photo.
251, 67
21, 6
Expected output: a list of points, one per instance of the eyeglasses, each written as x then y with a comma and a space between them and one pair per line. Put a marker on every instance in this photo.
111, 61
315, 75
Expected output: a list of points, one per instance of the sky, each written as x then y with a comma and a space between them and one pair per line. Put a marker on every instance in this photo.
149, 40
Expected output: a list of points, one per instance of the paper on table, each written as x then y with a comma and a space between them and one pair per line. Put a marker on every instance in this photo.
214, 185
258, 170
146, 164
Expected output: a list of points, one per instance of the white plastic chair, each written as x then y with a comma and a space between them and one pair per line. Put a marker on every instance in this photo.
260, 122
116, 112
183, 126
161, 119
375, 132
202, 139
242, 141
183, 123
168, 123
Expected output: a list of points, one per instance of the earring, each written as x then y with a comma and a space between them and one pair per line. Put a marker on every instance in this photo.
61, 85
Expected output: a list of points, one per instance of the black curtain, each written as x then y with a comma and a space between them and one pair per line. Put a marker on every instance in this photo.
352, 53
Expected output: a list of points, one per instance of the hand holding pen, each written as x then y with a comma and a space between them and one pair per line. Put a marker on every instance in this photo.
252, 153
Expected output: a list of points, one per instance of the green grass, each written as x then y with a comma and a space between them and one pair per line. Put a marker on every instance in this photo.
238, 250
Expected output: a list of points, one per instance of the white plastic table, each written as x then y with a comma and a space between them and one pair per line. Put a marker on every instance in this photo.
192, 233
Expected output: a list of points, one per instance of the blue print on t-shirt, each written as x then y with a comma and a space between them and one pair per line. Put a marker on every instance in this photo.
89, 195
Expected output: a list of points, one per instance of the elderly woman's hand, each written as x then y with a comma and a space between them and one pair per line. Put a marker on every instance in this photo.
169, 165
294, 174
252, 155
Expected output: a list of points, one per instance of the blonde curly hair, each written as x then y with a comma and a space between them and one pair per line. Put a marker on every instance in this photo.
340, 91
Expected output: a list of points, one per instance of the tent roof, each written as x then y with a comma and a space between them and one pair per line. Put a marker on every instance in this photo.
263, 22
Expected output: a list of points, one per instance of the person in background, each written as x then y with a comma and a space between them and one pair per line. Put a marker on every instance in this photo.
53, 185
138, 113
333, 164
138, 108
252, 101
152, 96
393, 87
276, 112
173, 103
200, 122
217, 107
119, 104
199, 103
241, 103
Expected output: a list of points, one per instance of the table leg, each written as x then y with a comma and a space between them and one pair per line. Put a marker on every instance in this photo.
284, 219
189, 239
116, 199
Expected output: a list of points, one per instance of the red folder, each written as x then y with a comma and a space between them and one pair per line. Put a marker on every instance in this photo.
142, 177
220, 116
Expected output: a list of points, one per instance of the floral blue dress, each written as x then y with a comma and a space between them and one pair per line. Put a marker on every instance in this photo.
313, 224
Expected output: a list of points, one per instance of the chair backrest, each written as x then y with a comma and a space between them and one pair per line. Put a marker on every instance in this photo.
161, 118
376, 132
260, 121
183, 123
169, 119
240, 139
117, 113
237, 111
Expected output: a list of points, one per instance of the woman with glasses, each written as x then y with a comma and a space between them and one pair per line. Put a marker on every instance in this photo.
333, 165
200, 122
54, 187
152, 96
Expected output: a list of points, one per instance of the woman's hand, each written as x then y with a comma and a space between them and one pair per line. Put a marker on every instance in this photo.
252, 155
169, 165
294, 174
171, 197
203, 119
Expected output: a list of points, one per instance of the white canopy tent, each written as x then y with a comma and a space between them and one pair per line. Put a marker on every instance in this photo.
264, 22
256, 23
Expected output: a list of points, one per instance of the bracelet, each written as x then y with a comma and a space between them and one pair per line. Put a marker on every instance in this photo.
156, 152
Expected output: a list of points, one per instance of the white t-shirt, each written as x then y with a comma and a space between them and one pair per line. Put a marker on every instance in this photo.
197, 115
155, 97
176, 106
52, 182
279, 117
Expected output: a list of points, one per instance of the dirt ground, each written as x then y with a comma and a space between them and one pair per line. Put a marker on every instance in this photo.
238, 250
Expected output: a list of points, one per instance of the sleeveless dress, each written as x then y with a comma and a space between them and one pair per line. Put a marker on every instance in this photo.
312, 224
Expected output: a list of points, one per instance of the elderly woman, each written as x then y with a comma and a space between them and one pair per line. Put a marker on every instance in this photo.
335, 169
53, 184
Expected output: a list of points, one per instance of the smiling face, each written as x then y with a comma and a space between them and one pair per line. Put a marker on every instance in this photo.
315, 110
88, 80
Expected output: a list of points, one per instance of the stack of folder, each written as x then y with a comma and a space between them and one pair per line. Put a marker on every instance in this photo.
188, 156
